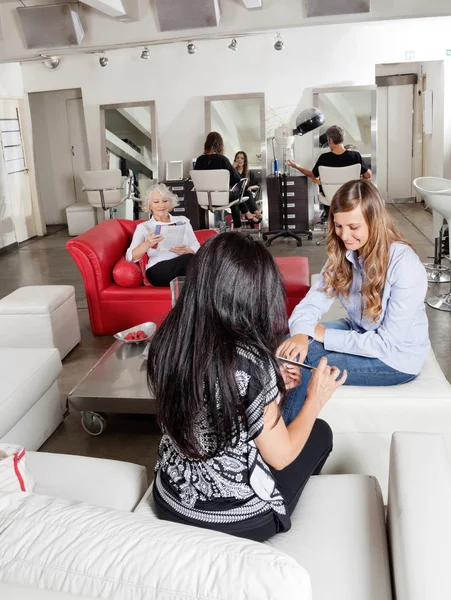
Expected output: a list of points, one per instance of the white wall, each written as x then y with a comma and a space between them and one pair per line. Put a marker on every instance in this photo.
52, 153
178, 82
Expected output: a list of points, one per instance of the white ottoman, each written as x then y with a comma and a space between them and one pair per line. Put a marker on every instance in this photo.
364, 419
45, 315
80, 218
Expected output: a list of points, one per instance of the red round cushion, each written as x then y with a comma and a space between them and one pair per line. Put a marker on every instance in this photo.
127, 274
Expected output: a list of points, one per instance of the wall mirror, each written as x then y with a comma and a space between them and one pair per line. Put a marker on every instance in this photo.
353, 109
240, 119
129, 142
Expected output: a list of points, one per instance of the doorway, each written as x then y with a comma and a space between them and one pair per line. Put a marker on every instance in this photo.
60, 150
409, 127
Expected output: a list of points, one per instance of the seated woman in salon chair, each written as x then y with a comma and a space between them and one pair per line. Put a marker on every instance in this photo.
252, 190
213, 158
163, 265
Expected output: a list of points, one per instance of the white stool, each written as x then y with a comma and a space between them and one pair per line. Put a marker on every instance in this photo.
45, 315
80, 218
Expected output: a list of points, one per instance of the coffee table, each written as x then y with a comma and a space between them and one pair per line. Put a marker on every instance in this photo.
117, 383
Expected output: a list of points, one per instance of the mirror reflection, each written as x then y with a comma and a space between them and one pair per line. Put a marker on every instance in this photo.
130, 146
240, 120
353, 110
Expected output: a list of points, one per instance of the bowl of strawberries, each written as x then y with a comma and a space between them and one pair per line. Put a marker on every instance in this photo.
137, 334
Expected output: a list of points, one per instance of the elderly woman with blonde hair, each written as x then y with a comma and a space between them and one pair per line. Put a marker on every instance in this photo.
162, 265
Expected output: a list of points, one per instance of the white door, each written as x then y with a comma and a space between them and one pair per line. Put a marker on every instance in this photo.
400, 142
79, 145
17, 221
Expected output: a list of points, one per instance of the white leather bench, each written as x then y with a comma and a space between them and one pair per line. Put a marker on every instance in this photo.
363, 419
40, 316
30, 404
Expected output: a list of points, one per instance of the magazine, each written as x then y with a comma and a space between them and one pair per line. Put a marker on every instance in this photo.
173, 233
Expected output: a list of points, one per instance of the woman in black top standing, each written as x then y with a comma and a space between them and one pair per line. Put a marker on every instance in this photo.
213, 158
241, 164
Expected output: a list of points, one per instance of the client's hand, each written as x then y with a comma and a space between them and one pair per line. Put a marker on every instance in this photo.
182, 249
323, 384
153, 239
291, 375
293, 164
298, 344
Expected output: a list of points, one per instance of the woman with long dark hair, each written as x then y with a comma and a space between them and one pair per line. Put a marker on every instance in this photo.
380, 281
227, 461
213, 158
241, 164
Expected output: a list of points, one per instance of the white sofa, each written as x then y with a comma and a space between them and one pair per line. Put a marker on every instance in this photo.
30, 404
337, 547
364, 419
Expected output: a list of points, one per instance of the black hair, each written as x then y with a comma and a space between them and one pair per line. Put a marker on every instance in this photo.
233, 296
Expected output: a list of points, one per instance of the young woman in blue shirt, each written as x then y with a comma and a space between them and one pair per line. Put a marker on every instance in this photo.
380, 281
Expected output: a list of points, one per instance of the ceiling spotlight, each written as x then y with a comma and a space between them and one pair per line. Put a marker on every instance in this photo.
103, 60
191, 48
51, 62
145, 53
279, 44
233, 45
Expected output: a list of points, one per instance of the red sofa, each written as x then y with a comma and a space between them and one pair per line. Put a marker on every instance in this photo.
113, 308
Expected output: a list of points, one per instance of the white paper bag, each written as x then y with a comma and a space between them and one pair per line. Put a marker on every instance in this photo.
14, 476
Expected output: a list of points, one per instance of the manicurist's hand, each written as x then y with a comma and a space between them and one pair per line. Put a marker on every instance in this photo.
325, 380
297, 344
291, 375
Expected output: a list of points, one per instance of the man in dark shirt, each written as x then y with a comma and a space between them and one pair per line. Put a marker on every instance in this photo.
337, 157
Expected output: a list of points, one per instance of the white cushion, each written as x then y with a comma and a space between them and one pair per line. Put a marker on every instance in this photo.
419, 516
36, 299
82, 549
338, 535
108, 483
25, 374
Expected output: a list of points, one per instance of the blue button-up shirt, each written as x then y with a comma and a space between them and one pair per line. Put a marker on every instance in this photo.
400, 337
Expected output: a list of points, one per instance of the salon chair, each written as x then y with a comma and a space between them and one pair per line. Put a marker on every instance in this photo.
107, 189
332, 178
437, 194
213, 193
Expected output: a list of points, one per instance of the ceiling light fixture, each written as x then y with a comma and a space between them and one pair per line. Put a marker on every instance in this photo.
192, 49
103, 60
233, 45
51, 62
279, 45
145, 54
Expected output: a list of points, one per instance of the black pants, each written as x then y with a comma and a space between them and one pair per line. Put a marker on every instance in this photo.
161, 274
290, 483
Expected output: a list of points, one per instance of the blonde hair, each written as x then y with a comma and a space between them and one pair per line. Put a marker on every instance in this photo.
164, 191
375, 253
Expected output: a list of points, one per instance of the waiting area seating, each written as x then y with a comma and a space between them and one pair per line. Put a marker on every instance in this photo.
89, 529
113, 307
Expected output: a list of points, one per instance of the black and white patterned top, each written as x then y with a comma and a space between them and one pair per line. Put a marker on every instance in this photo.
236, 484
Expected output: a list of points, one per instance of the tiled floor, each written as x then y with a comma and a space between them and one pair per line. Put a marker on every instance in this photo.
132, 437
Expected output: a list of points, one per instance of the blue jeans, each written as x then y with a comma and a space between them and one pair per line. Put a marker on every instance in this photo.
361, 371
